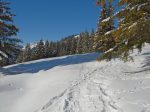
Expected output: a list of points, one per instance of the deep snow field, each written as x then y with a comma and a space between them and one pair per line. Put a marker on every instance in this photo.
77, 83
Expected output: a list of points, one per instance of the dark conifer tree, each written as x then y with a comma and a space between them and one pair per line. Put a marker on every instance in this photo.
51, 48
9, 48
47, 52
133, 30
101, 27
91, 41
27, 53
79, 44
20, 57
38, 51
73, 45
85, 42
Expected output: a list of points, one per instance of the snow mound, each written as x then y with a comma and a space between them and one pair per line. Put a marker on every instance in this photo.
77, 83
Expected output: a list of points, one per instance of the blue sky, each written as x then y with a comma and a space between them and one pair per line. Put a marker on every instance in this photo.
53, 19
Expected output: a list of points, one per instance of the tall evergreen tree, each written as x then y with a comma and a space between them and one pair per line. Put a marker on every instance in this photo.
51, 48
27, 53
85, 43
133, 30
79, 44
69, 46
73, 45
47, 52
39, 51
20, 57
102, 28
9, 47
54, 49
105, 24
91, 41
62, 48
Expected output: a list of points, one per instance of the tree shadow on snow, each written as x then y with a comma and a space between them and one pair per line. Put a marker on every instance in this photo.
145, 66
147, 62
46, 64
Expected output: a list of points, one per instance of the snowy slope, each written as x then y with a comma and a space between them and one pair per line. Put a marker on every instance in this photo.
77, 83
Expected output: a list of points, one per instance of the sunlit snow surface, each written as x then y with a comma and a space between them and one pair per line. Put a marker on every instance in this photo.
77, 83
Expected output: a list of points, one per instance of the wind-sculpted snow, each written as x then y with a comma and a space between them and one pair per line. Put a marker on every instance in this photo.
78, 84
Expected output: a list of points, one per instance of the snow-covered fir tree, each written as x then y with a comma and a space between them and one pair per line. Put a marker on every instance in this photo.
73, 45
133, 30
91, 41
9, 48
85, 43
105, 24
47, 52
40, 50
27, 53
79, 44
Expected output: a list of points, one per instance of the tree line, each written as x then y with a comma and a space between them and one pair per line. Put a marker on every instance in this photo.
115, 41
74, 44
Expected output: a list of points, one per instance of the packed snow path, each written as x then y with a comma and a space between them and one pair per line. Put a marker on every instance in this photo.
77, 84
86, 94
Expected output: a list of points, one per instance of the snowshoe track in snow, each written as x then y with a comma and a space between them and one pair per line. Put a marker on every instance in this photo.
82, 85
85, 95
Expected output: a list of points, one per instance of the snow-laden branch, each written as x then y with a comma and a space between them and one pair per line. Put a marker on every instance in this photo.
131, 26
116, 46
107, 19
3, 54
109, 32
130, 7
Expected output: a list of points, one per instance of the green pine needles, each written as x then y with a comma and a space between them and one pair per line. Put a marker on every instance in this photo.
132, 33
9, 47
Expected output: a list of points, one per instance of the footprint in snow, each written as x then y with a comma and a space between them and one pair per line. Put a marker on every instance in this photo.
141, 82
133, 90
20, 89
10, 84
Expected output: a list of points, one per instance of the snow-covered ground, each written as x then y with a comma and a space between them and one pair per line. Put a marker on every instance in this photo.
77, 83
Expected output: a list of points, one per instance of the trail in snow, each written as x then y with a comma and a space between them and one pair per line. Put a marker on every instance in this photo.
77, 84
107, 87
86, 95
